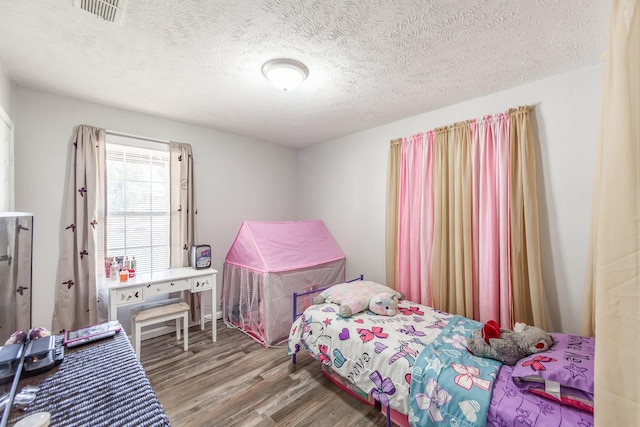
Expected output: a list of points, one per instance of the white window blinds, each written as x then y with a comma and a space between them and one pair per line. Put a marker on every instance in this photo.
137, 204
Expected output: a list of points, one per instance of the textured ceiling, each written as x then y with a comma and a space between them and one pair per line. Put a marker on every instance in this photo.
371, 62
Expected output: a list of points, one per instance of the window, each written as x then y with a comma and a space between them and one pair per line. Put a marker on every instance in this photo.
137, 201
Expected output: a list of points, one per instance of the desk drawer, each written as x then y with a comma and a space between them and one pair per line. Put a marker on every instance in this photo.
128, 295
202, 283
164, 288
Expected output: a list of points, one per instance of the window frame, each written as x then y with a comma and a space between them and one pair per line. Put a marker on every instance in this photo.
155, 253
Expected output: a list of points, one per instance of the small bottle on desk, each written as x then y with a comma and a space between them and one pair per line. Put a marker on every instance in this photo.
115, 270
124, 275
132, 267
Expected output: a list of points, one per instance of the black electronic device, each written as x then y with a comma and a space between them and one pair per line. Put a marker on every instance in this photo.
9, 359
200, 256
42, 354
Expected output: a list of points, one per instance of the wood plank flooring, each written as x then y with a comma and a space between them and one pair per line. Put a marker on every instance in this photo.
238, 382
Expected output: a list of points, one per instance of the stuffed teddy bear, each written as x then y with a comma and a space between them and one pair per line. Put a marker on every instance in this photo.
508, 346
357, 296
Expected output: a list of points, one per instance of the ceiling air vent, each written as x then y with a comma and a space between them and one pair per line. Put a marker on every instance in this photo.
109, 10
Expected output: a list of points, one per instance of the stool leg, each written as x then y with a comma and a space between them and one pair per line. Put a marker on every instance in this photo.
185, 323
132, 339
136, 338
178, 329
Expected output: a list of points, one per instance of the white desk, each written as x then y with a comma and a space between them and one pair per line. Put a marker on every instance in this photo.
140, 288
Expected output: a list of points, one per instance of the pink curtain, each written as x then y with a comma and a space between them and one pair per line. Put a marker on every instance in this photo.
427, 222
488, 238
410, 277
489, 231
494, 281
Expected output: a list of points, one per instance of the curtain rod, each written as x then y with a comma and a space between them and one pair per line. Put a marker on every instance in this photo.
128, 135
397, 141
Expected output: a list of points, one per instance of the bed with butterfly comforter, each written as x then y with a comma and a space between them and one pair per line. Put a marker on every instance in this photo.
416, 363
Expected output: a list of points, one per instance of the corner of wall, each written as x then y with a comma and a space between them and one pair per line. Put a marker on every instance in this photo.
6, 93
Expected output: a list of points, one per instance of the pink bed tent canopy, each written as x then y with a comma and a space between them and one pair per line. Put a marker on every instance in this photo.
266, 263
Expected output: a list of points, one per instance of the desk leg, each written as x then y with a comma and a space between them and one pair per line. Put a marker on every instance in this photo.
202, 311
214, 310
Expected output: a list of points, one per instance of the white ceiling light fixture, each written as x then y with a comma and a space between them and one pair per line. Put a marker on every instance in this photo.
285, 74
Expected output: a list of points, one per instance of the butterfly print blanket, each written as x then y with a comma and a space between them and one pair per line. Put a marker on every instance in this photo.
375, 353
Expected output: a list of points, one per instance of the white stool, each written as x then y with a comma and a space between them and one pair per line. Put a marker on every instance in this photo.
157, 312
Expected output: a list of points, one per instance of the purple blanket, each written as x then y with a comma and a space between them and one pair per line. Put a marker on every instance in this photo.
511, 407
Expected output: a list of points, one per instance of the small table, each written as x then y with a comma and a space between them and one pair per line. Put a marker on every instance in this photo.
140, 288
101, 384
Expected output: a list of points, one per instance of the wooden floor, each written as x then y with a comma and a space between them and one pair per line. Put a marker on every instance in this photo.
238, 382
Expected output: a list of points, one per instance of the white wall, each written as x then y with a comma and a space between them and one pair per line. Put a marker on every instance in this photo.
343, 182
236, 178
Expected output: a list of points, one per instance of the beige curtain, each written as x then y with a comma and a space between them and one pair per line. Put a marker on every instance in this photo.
612, 293
183, 215
526, 271
451, 258
78, 302
391, 237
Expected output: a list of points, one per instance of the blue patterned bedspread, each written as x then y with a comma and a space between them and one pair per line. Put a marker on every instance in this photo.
450, 386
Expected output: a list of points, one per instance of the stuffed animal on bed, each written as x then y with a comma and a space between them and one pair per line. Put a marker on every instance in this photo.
360, 295
384, 304
506, 345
